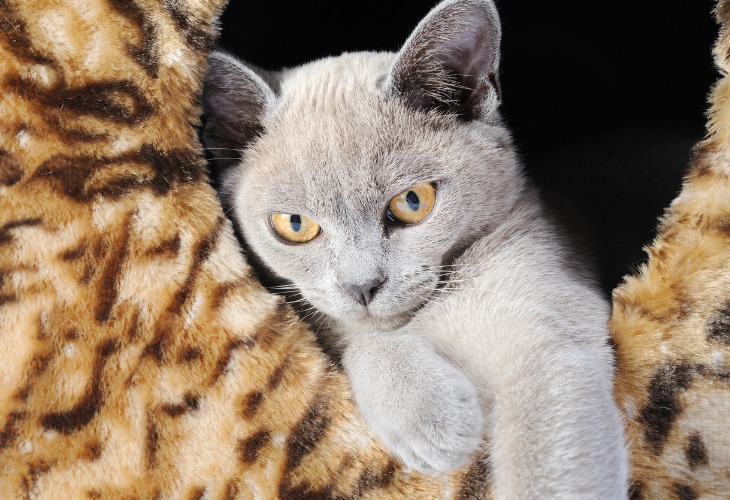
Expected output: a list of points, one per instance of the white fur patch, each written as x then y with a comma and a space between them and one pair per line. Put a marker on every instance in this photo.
718, 360
25, 447
23, 138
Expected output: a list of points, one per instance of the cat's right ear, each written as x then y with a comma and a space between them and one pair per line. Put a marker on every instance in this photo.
235, 98
450, 63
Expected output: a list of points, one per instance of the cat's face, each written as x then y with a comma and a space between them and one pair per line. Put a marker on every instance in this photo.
362, 196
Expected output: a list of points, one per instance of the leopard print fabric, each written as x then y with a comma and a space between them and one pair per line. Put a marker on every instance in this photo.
671, 327
139, 357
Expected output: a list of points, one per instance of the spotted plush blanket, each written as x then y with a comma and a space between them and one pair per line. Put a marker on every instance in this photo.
140, 358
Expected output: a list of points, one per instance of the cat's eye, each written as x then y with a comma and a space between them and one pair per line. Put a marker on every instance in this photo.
412, 205
294, 227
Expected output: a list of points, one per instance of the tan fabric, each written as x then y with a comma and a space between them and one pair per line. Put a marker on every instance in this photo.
671, 326
140, 358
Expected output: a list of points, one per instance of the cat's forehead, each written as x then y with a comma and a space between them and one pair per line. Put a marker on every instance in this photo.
329, 83
338, 103
334, 118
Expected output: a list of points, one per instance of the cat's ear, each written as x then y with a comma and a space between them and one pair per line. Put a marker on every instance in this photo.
235, 98
450, 62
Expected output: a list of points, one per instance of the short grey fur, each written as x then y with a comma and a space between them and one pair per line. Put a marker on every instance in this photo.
479, 334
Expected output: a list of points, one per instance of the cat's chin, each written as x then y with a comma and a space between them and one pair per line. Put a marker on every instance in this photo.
370, 323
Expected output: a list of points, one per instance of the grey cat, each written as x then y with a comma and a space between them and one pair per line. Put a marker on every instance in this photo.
384, 190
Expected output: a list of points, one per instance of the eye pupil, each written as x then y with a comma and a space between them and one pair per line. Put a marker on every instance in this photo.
413, 201
296, 222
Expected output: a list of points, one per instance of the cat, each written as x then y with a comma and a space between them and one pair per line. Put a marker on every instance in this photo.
384, 192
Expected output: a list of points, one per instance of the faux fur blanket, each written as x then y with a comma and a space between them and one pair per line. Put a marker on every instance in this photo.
140, 358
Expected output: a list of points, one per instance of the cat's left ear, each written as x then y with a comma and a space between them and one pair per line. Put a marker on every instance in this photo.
450, 62
236, 96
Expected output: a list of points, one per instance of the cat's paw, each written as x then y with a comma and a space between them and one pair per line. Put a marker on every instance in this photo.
438, 427
422, 407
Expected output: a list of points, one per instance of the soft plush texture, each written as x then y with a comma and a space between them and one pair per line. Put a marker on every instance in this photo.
140, 358
671, 326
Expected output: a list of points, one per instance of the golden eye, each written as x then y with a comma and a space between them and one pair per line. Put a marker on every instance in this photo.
412, 205
294, 227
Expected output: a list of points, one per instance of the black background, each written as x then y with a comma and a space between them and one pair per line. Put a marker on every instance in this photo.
604, 98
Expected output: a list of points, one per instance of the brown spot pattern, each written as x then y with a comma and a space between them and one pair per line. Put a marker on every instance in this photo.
169, 247
10, 429
190, 354
201, 38
190, 403
685, 492
307, 433
72, 173
92, 450
196, 493
14, 35
135, 326
251, 403
718, 326
23, 393
39, 363
74, 253
6, 237
695, 452
722, 224
249, 448
305, 491
7, 298
10, 170
231, 491
35, 470
86, 276
476, 482
371, 480
152, 443
222, 291
157, 347
636, 490
225, 357
146, 54
201, 253
118, 101
108, 288
81, 414
662, 408
278, 375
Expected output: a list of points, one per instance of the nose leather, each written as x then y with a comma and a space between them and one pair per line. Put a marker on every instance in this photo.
363, 293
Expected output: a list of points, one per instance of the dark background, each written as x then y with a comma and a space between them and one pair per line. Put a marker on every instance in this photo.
605, 99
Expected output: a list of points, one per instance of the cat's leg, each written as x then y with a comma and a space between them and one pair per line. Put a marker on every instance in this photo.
422, 407
555, 430
538, 354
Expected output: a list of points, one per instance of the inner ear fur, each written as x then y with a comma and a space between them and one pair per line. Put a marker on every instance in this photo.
450, 62
235, 98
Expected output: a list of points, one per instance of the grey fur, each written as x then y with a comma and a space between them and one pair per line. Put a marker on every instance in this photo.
481, 327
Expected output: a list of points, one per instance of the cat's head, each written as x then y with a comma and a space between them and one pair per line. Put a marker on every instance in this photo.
360, 178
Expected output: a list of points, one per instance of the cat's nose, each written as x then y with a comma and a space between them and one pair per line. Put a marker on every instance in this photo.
364, 293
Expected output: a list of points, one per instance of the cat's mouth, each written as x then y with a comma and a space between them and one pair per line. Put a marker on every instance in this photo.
368, 322
373, 320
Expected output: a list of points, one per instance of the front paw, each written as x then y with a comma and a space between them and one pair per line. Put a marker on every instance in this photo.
422, 407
